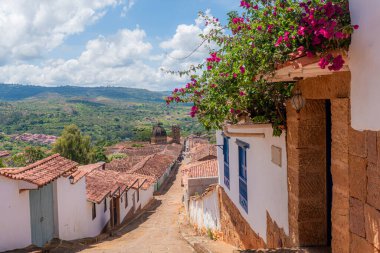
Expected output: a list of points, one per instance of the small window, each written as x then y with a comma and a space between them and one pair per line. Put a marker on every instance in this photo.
243, 191
226, 160
105, 205
126, 199
93, 211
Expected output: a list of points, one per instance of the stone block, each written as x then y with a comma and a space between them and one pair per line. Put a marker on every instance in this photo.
358, 177
340, 203
357, 143
340, 111
323, 87
373, 185
360, 245
340, 237
372, 225
357, 222
372, 147
340, 176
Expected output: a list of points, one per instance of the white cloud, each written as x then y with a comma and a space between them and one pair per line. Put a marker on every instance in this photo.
127, 7
125, 58
119, 60
182, 49
31, 28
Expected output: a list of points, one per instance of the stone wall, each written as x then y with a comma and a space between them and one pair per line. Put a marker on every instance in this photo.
234, 228
355, 168
364, 191
306, 147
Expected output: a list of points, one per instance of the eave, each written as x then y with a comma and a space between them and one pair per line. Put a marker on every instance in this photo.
302, 67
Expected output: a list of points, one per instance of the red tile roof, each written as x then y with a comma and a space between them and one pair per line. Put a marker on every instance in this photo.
202, 152
124, 164
43, 171
202, 169
85, 170
153, 165
102, 183
4, 154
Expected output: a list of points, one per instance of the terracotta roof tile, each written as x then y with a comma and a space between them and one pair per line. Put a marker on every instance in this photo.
153, 165
201, 169
202, 152
124, 164
43, 171
85, 170
102, 183
4, 154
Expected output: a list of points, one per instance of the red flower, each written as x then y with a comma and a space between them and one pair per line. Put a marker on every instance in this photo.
242, 69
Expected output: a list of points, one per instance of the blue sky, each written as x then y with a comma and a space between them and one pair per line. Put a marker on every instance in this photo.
101, 42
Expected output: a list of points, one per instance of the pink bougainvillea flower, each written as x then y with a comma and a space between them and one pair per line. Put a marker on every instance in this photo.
279, 40
232, 110
209, 67
356, 27
235, 75
309, 54
337, 63
259, 28
242, 69
256, 7
241, 93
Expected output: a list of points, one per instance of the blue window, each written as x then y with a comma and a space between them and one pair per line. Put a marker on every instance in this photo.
226, 162
243, 192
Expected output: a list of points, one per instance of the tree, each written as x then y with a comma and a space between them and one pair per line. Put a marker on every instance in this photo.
33, 154
73, 145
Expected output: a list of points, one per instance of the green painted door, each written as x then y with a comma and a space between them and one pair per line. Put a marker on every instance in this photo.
42, 215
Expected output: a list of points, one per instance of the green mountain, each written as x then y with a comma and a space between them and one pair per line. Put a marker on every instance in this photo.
15, 92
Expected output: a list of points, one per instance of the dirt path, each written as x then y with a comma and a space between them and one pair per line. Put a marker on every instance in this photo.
155, 231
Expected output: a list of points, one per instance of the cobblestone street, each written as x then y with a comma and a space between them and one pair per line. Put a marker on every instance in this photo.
157, 230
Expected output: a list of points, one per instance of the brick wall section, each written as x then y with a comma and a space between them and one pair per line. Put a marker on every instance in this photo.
364, 191
235, 229
306, 149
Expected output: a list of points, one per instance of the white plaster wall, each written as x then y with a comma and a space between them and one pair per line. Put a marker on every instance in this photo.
146, 196
266, 183
75, 212
364, 64
125, 210
15, 227
205, 211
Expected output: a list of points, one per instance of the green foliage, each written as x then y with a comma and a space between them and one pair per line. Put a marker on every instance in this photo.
73, 145
33, 154
98, 155
2, 165
116, 156
17, 160
236, 81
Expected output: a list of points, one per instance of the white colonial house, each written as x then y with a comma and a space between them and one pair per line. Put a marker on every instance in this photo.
56, 198
252, 172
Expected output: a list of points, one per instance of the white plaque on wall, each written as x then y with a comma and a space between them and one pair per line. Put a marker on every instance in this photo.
276, 155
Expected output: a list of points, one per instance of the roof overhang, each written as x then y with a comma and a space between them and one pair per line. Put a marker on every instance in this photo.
303, 67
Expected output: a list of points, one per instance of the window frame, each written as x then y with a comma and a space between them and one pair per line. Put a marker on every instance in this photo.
243, 177
105, 205
226, 160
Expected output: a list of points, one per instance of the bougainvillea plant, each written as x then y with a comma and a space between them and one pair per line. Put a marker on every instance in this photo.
233, 81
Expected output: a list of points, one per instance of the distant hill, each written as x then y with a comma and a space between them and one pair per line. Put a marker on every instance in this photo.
15, 92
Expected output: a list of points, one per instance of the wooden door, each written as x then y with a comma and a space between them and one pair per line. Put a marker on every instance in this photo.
42, 215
